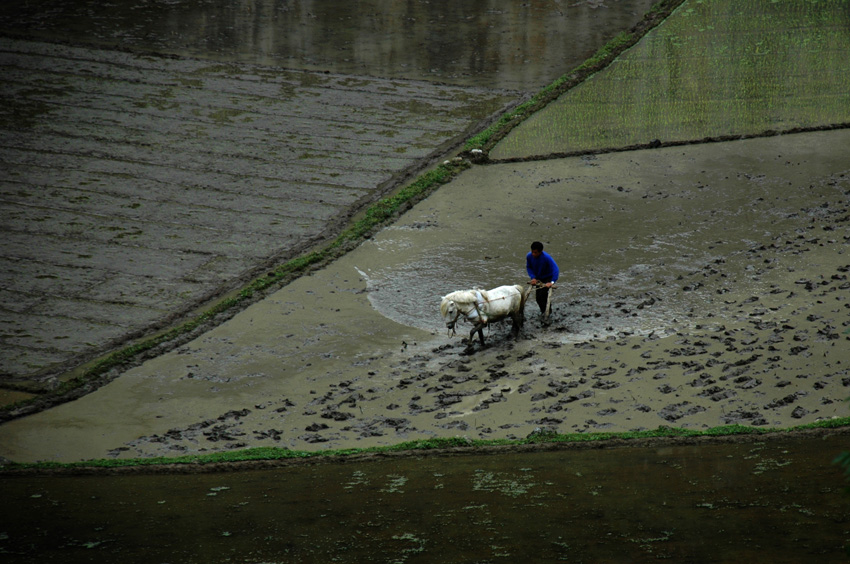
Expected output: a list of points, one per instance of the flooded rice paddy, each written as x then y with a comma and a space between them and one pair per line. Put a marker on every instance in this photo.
702, 286
711, 69
503, 45
778, 501
135, 136
125, 181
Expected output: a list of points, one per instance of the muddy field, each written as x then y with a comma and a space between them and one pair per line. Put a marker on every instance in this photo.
702, 286
126, 181
134, 141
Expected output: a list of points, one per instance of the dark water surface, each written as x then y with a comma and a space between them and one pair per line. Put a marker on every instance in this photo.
779, 500
498, 44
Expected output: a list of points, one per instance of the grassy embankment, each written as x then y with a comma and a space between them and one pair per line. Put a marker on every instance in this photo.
436, 444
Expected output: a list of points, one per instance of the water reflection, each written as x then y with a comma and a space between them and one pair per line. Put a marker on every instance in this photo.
514, 45
778, 501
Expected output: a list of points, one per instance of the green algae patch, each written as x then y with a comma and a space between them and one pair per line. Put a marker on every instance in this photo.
416, 448
711, 69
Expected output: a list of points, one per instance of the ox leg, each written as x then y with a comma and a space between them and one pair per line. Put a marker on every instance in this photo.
516, 325
470, 343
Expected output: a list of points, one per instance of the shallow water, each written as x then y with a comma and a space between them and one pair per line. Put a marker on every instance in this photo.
513, 45
711, 69
623, 228
775, 501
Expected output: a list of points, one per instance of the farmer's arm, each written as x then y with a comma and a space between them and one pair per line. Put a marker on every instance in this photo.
530, 270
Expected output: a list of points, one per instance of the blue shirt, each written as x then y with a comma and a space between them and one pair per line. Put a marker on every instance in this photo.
543, 268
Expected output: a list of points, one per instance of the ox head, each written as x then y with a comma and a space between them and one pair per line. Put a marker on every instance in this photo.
450, 312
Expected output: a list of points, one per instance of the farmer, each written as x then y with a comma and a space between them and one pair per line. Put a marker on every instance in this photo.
543, 271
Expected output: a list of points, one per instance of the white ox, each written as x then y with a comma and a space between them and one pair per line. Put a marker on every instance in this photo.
482, 307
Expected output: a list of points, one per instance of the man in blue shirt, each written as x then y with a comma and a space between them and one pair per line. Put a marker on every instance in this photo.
543, 271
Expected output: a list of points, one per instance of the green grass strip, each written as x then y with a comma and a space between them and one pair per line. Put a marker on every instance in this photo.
276, 453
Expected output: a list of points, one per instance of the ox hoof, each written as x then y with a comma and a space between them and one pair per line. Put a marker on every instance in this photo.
470, 349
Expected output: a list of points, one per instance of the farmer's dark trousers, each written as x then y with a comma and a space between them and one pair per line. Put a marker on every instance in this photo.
542, 297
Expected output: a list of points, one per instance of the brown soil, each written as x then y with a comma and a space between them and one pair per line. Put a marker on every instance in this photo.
702, 286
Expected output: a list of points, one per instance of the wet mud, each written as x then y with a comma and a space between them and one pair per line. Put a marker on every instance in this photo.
136, 136
701, 286
126, 182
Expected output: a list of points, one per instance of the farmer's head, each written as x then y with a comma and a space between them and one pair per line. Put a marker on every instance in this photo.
536, 249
